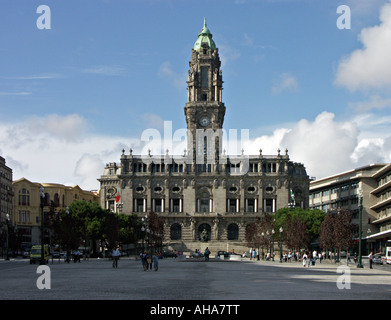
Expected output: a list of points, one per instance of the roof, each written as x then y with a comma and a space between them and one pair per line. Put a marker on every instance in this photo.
204, 37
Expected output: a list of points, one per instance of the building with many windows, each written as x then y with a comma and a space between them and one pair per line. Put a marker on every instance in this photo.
27, 205
344, 190
6, 190
6, 198
204, 189
381, 208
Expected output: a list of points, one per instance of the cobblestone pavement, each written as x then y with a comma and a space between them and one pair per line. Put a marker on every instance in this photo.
192, 280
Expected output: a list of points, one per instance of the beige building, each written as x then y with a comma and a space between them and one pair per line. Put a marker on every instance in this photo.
344, 190
204, 188
27, 205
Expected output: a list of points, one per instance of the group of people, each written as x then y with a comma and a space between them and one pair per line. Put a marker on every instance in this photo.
147, 258
76, 255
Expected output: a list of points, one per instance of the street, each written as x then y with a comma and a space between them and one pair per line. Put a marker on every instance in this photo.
179, 279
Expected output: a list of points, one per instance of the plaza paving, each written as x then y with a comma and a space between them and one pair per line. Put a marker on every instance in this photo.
192, 280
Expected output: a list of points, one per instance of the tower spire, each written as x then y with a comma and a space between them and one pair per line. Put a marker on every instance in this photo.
204, 38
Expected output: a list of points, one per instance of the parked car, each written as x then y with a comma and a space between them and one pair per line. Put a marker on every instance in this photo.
377, 258
56, 255
222, 253
169, 254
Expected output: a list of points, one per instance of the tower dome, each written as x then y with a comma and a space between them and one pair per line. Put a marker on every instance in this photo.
204, 39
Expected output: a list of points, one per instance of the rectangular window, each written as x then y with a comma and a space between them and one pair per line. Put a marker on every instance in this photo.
204, 205
269, 205
204, 77
176, 205
139, 205
250, 205
232, 205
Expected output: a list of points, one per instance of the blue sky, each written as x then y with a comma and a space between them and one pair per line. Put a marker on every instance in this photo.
73, 96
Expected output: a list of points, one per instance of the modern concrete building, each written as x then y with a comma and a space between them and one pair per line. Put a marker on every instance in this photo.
382, 209
27, 209
344, 190
204, 188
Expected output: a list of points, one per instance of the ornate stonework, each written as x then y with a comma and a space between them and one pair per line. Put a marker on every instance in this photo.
205, 188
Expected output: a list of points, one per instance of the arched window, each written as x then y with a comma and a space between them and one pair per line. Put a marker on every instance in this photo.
176, 231
56, 200
47, 199
233, 232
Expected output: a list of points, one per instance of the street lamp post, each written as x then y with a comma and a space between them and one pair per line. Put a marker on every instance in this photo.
360, 265
7, 216
281, 230
145, 228
272, 253
42, 196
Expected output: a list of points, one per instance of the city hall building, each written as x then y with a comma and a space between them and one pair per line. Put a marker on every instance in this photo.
206, 196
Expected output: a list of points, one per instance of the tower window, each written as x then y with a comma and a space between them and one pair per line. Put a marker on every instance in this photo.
204, 77
204, 97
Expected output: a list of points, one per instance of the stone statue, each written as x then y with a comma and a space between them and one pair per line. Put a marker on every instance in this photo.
204, 236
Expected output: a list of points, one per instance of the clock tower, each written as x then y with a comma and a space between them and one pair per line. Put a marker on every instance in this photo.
204, 110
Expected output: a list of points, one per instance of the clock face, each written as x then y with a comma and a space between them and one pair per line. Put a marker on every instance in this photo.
204, 121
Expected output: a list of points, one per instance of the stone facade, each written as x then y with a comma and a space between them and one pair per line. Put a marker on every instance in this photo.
6, 195
204, 188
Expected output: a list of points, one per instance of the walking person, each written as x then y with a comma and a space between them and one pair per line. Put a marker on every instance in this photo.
206, 254
305, 259
149, 260
143, 257
370, 257
115, 256
155, 261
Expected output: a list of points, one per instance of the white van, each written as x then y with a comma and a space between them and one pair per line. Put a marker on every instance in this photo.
388, 254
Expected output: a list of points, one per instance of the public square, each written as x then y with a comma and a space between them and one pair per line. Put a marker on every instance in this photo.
194, 280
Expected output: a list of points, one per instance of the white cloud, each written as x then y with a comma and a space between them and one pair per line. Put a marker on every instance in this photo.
374, 102
105, 70
369, 67
88, 169
18, 93
325, 146
166, 71
286, 82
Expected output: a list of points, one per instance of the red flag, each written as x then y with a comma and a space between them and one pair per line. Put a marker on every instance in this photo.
117, 198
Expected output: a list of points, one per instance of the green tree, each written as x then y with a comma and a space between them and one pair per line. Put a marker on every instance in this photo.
295, 221
129, 228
